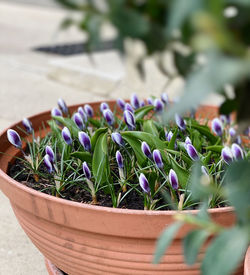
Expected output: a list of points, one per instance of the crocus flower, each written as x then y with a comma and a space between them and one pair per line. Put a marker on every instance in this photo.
150, 101
144, 183
82, 113
173, 179
170, 135
56, 112
193, 154
237, 151
88, 110
119, 159
158, 104
84, 140
164, 98
180, 122
77, 118
109, 117
62, 105
188, 140
66, 136
27, 125
50, 153
134, 100
48, 163
86, 170
238, 140
128, 107
226, 154
157, 158
232, 132
146, 149
14, 138
117, 138
204, 170
142, 103
121, 103
217, 126
129, 119
104, 106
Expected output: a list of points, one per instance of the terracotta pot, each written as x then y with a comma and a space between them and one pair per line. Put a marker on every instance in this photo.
247, 262
52, 269
86, 239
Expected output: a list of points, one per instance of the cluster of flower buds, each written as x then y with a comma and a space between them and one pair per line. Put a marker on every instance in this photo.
229, 154
84, 140
66, 136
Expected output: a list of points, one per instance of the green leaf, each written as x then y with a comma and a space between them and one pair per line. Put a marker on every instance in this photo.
165, 240
83, 156
188, 161
226, 252
69, 123
228, 106
149, 127
96, 135
172, 141
143, 111
192, 244
57, 133
94, 122
182, 173
203, 129
214, 148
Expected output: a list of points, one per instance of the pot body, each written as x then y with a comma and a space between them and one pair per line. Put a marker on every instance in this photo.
84, 239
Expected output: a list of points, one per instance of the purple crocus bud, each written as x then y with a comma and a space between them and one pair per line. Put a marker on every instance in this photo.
188, 140
86, 170
226, 154
237, 151
157, 158
27, 125
166, 135
146, 149
117, 138
135, 102
48, 163
119, 159
56, 112
50, 153
129, 119
204, 170
238, 140
150, 101
223, 119
128, 107
62, 105
83, 114
88, 110
180, 122
14, 138
108, 115
158, 105
193, 154
77, 118
164, 98
144, 183
142, 103
217, 126
121, 103
66, 135
84, 140
232, 132
173, 179
170, 135
104, 106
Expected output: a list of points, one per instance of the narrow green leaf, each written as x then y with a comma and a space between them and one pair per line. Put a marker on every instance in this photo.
172, 141
149, 127
214, 148
69, 123
182, 173
143, 111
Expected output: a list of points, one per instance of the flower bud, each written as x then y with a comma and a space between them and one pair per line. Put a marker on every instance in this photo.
238, 140
119, 159
27, 125
142, 103
50, 153
164, 98
104, 106
129, 119
128, 107
121, 103
134, 100
170, 135
237, 151
88, 110
150, 101
232, 132
188, 140
14, 138
226, 154
217, 127
109, 117
56, 112
173, 179
180, 122
84, 140
193, 154
82, 113
66, 136
86, 170
48, 163
144, 183
157, 158
77, 118
146, 149
158, 104
62, 105
117, 138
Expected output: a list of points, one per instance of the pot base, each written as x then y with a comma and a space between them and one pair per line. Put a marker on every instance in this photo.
52, 269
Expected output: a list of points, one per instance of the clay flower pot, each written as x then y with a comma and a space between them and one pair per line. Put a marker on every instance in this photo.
247, 263
86, 239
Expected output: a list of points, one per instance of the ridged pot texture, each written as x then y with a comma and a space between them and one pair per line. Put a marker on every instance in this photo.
85, 239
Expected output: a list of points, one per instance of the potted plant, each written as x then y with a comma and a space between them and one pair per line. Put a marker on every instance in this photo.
117, 156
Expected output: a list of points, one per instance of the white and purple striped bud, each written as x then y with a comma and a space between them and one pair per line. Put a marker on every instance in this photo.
135, 102
62, 105
204, 171
121, 103
226, 154
84, 140
109, 117
173, 179
88, 110
50, 153
217, 126
159, 106
117, 138
164, 98
180, 122
86, 170
142, 103
48, 163
223, 119
56, 112
170, 135
193, 154
157, 158
14, 138
232, 132
144, 183
119, 159
82, 113
237, 151
146, 149
128, 107
129, 119
66, 136
150, 101
104, 106
27, 125
188, 141
77, 118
